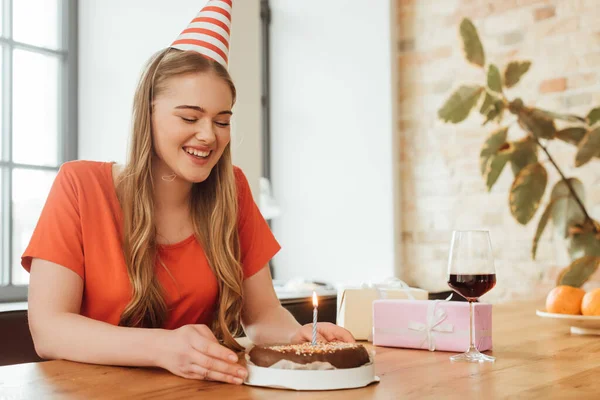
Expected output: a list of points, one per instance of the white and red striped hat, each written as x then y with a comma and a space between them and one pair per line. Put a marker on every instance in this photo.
208, 33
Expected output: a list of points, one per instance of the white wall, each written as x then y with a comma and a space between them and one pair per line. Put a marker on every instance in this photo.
332, 139
117, 37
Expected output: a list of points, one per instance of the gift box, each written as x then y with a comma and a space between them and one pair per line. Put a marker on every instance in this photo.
355, 304
431, 324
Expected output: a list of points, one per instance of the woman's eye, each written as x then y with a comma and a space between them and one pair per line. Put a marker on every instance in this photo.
222, 124
191, 121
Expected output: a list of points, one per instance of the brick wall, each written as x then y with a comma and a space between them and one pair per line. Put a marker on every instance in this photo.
441, 188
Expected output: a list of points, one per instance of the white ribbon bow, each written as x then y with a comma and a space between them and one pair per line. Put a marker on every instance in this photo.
435, 317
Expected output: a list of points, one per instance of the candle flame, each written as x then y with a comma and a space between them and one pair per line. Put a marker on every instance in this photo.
315, 300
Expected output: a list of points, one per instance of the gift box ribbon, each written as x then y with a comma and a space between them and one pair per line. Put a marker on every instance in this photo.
435, 317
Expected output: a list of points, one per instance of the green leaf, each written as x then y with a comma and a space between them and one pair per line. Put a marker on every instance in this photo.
566, 211
490, 147
583, 244
524, 152
527, 191
588, 147
562, 117
494, 80
537, 123
593, 116
495, 112
514, 71
488, 102
471, 43
540, 228
494, 168
493, 156
459, 105
572, 135
580, 271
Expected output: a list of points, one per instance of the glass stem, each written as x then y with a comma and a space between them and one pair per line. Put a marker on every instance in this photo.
472, 347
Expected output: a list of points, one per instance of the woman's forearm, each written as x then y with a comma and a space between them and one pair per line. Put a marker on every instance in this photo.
74, 337
274, 325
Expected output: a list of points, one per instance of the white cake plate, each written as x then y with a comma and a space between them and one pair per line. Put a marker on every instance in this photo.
332, 379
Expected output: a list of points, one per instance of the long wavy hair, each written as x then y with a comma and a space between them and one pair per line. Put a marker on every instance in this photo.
213, 205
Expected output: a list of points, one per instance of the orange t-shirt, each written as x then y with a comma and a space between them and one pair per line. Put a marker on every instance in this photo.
80, 228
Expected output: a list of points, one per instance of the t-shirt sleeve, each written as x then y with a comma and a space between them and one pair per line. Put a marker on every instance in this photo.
257, 242
58, 235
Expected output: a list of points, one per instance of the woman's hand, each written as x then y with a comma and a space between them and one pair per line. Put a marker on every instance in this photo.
326, 332
193, 352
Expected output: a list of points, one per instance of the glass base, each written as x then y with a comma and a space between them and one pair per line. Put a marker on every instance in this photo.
472, 355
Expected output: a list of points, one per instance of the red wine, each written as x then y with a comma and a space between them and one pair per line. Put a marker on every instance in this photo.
472, 286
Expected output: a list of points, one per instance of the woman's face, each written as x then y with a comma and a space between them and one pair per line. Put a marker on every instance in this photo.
191, 124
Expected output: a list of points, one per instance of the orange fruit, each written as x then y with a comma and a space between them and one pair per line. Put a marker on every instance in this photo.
565, 300
590, 304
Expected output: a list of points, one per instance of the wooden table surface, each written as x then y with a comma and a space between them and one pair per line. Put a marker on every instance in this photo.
536, 358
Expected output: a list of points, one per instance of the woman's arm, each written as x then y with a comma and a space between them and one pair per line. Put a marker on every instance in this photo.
267, 322
264, 319
60, 332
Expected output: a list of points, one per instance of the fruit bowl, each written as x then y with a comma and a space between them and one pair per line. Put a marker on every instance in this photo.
580, 324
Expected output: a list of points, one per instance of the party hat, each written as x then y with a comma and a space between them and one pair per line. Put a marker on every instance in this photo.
208, 33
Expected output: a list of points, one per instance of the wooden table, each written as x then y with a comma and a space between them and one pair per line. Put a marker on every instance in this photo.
536, 358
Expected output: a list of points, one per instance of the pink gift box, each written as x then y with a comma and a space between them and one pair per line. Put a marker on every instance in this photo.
431, 324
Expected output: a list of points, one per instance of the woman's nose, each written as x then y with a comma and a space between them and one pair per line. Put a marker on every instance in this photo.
205, 132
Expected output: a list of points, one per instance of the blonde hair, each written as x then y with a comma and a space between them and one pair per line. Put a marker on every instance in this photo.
213, 205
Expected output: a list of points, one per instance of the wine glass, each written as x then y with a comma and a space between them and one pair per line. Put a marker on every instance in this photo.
471, 274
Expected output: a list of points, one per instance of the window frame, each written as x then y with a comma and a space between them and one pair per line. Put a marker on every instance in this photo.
67, 129
265, 98
265, 17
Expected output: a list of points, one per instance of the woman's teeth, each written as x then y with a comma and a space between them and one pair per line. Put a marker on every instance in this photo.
196, 152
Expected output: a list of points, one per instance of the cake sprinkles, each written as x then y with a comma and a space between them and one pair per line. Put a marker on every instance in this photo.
309, 348
338, 354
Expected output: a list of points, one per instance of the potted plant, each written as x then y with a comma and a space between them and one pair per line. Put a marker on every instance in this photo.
566, 208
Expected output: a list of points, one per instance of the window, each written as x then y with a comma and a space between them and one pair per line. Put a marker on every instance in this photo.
38, 86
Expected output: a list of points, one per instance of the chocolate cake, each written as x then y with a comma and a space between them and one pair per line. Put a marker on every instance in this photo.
339, 354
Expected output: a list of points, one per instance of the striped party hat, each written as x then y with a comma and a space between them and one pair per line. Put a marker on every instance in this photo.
208, 33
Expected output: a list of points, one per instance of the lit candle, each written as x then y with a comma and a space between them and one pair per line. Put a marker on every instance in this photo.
315, 305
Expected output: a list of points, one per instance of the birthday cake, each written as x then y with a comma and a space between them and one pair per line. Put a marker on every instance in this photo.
339, 354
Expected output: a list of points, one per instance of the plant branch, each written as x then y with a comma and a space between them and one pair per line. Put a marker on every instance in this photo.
496, 95
563, 177
492, 93
571, 189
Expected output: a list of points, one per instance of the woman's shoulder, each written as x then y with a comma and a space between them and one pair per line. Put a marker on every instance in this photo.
84, 167
82, 173
239, 174
240, 178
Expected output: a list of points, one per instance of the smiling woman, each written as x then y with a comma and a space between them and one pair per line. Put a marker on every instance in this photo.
161, 262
